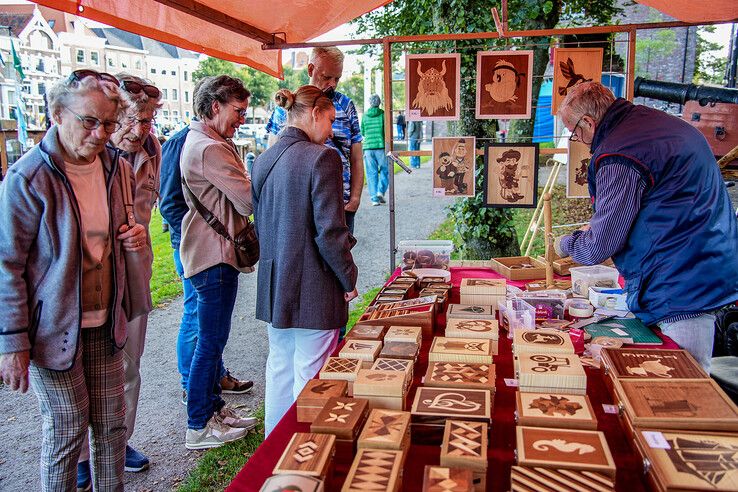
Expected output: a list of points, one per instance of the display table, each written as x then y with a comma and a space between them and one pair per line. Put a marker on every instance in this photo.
502, 434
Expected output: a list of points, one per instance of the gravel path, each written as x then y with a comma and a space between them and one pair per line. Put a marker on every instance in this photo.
161, 417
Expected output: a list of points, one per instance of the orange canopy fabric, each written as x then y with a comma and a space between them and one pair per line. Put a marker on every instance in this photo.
206, 31
696, 10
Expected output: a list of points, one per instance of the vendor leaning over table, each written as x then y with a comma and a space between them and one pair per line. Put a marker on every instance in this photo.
661, 211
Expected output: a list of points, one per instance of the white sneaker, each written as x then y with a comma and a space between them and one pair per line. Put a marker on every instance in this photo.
214, 435
228, 417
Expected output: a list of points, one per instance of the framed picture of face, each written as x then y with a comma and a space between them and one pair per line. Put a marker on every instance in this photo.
576, 181
511, 175
432, 86
572, 66
504, 84
453, 166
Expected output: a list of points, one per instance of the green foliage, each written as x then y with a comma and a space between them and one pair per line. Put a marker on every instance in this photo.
652, 51
710, 66
165, 283
261, 85
353, 87
293, 79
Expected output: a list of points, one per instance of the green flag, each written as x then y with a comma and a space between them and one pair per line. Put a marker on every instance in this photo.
17, 62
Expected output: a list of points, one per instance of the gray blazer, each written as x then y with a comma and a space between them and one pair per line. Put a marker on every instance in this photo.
305, 263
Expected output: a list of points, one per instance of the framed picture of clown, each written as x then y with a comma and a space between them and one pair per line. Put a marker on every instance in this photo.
453, 166
577, 165
511, 175
432, 83
504, 84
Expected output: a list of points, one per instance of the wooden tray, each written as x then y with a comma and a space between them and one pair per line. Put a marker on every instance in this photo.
529, 479
404, 334
386, 429
366, 332
472, 328
465, 445
289, 481
307, 454
460, 375
686, 404
542, 341
436, 405
380, 383
550, 372
503, 267
558, 410
374, 469
443, 479
314, 396
473, 350
563, 448
629, 363
470, 311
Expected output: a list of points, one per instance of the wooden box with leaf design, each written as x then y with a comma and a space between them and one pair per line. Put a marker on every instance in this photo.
383, 389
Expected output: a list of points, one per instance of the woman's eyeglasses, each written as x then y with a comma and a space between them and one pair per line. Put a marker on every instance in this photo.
136, 88
78, 75
241, 111
91, 123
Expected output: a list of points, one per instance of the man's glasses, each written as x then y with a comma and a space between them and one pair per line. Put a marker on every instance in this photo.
90, 123
144, 122
136, 88
78, 75
574, 137
241, 111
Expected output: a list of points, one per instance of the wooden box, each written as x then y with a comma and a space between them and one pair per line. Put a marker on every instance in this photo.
519, 267
402, 365
383, 389
364, 350
464, 311
343, 417
482, 291
441, 295
686, 404
535, 479
383, 298
542, 341
386, 429
375, 469
314, 396
422, 315
404, 334
341, 369
630, 363
550, 372
562, 266
460, 375
563, 448
538, 285
679, 461
465, 445
472, 328
461, 350
307, 454
400, 350
559, 410
443, 479
290, 481
366, 332
436, 405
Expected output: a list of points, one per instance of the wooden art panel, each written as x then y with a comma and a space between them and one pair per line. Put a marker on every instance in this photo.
307, 454
504, 84
465, 444
374, 469
576, 171
472, 328
432, 84
511, 175
555, 410
455, 403
460, 375
290, 481
385, 429
627, 363
454, 164
572, 66
533, 479
443, 479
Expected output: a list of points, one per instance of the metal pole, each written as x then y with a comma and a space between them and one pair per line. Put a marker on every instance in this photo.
388, 147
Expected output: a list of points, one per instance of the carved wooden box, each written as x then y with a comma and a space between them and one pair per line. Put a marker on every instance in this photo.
563, 448
559, 410
307, 454
400, 350
342, 369
630, 363
470, 311
482, 291
443, 479
383, 389
542, 341
421, 314
687, 404
290, 481
375, 469
314, 396
386, 429
460, 375
679, 461
519, 267
465, 445
343, 417
363, 350
404, 334
402, 365
539, 372
472, 328
531, 479
472, 350
366, 332
436, 405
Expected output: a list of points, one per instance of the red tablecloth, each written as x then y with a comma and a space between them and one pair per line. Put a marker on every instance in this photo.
502, 435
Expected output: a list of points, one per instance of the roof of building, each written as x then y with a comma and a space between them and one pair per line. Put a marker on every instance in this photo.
15, 21
123, 39
56, 19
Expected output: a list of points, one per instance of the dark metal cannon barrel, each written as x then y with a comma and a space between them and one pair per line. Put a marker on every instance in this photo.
681, 93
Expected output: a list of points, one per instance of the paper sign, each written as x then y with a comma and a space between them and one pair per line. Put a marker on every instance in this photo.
513, 383
613, 409
415, 113
656, 440
620, 332
439, 191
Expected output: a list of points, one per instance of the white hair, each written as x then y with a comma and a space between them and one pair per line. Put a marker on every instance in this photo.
590, 98
330, 53
66, 91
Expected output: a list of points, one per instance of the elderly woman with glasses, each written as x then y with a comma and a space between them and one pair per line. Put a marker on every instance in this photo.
63, 233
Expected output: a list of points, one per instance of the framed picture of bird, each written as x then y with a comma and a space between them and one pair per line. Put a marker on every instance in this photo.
504, 84
432, 86
453, 166
511, 175
572, 66
578, 163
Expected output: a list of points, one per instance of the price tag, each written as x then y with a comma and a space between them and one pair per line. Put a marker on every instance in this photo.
513, 383
439, 191
656, 440
414, 113
620, 332
610, 408
422, 380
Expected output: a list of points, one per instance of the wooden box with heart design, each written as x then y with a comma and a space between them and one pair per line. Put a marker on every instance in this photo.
536, 479
559, 410
364, 350
404, 334
460, 375
386, 429
375, 469
291, 481
541, 372
366, 332
341, 369
472, 328
383, 389
435, 406
314, 396
473, 350
308, 454
545, 341
444, 479
470, 311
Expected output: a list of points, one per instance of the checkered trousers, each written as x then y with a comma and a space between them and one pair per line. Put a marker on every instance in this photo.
89, 394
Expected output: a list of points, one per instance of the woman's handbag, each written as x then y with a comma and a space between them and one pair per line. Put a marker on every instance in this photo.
136, 299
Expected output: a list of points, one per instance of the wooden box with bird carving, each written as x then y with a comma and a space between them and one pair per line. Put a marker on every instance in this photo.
314, 396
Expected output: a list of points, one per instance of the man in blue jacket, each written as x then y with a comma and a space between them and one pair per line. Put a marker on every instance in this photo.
661, 211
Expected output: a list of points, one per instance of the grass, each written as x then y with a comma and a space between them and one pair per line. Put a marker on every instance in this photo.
165, 283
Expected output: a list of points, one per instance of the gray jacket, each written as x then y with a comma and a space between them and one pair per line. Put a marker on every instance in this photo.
305, 263
41, 257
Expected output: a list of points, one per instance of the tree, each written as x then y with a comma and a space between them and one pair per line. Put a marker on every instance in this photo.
710, 67
353, 87
261, 85
652, 50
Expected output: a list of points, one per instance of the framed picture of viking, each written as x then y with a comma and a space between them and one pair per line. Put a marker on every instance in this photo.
453, 166
504, 84
432, 87
511, 175
572, 66
576, 181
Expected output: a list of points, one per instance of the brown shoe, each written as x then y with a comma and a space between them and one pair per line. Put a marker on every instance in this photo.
231, 385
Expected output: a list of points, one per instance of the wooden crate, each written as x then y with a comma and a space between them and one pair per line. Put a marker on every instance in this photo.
436, 405
460, 375
472, 328
542, 341
375, 469
506, 267
472, 311
404, 334
290, 481
386, 429
307, 454
534, 479
558, 410
444, 479
314, 396
550, 372
473, 350
366, 332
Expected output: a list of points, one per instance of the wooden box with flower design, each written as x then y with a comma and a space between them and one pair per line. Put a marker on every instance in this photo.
344, 418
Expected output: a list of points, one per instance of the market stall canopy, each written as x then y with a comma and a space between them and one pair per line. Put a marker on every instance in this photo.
696, 11
229, 29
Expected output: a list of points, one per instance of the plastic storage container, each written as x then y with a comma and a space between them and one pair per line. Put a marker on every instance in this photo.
425, 254
517, 314
584, 277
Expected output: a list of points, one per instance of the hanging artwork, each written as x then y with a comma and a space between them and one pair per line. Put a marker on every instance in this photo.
432, 86
504, 84
572, 66
453, 166
511, 175
576, 182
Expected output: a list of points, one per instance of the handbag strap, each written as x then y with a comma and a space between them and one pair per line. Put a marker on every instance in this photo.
207, 215
125, 185
271, 166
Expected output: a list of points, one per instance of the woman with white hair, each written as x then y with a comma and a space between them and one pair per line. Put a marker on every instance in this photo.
63, 233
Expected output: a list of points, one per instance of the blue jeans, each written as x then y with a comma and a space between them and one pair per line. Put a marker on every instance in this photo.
187, 337
375, 165
216, 290
414, 160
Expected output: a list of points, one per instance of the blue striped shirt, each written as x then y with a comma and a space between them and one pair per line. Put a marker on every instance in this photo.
346, 132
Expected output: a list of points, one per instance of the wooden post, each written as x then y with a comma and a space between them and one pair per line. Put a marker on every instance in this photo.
388, 147
630, 84
548, 224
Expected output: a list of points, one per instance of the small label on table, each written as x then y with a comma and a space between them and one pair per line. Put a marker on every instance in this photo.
620, 332
439, 191
513, 383
610, 408
656, 440
415, 113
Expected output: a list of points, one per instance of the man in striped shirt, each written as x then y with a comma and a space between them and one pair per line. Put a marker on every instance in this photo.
661, 211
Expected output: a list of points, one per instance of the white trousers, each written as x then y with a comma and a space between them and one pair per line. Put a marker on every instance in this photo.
695, 335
